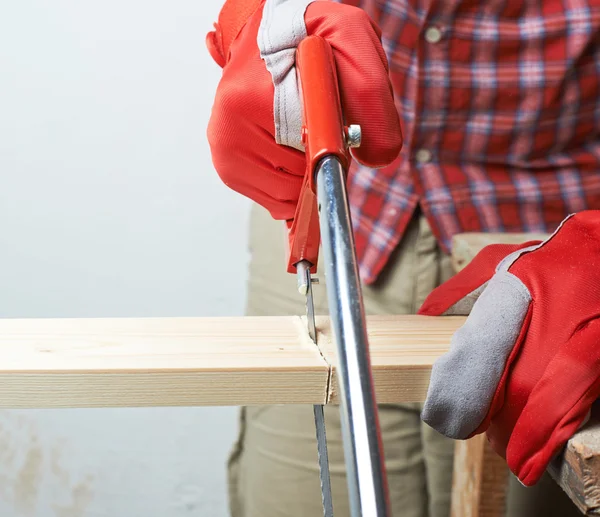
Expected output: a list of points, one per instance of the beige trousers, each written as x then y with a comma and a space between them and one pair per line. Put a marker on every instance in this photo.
273, 469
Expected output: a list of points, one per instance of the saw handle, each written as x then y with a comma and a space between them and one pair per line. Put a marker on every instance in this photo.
323, 131
323, 134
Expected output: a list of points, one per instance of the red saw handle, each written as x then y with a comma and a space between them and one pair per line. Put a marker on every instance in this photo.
323, 134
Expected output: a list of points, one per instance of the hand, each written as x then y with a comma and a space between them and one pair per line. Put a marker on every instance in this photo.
254, 130
525, 367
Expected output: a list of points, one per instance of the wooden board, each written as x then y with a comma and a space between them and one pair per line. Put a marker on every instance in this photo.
158, 362
402, 351
466, 245
577, 468
48, 363
480, 480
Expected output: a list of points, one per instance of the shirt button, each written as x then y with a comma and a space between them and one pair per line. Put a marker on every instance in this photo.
433, 35
423, 156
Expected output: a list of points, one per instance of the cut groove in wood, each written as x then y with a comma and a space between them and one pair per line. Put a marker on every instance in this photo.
128, 362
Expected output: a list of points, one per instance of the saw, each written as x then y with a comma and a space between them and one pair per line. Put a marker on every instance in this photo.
322, 221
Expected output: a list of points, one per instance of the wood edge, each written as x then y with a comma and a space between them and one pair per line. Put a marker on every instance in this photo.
577, 470
158, 390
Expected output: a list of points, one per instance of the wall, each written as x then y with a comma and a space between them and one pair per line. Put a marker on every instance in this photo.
109, 206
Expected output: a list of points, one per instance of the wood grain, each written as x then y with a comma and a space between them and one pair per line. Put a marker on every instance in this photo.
158, 362
577, 468
402, 351
480, 480
122, 362
466, 245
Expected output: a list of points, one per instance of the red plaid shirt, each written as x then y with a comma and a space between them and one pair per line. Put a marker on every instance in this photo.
500, 109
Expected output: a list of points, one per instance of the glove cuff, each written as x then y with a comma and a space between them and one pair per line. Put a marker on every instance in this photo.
281, 30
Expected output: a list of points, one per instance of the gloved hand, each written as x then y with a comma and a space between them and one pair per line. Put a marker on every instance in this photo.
254, 130
525, 367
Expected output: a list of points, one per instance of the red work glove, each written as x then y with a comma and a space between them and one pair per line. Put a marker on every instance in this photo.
254, 130
525, 367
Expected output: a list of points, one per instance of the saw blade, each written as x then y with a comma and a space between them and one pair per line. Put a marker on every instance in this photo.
305, 282
310, 308
318, 410
326, 497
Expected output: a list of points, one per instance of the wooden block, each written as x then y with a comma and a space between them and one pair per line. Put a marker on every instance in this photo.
577, 468
480, 480
466, 245
47, 363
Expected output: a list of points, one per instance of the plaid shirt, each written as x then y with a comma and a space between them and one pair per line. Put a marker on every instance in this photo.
500, 109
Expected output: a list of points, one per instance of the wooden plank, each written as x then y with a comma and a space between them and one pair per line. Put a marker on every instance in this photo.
480, 480
402, 351
47, 363
577, 468
466, 245
158, 362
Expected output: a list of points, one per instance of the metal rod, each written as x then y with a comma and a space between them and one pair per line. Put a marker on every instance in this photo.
363, 449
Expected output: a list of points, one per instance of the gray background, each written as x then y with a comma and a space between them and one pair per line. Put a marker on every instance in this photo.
109, 206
